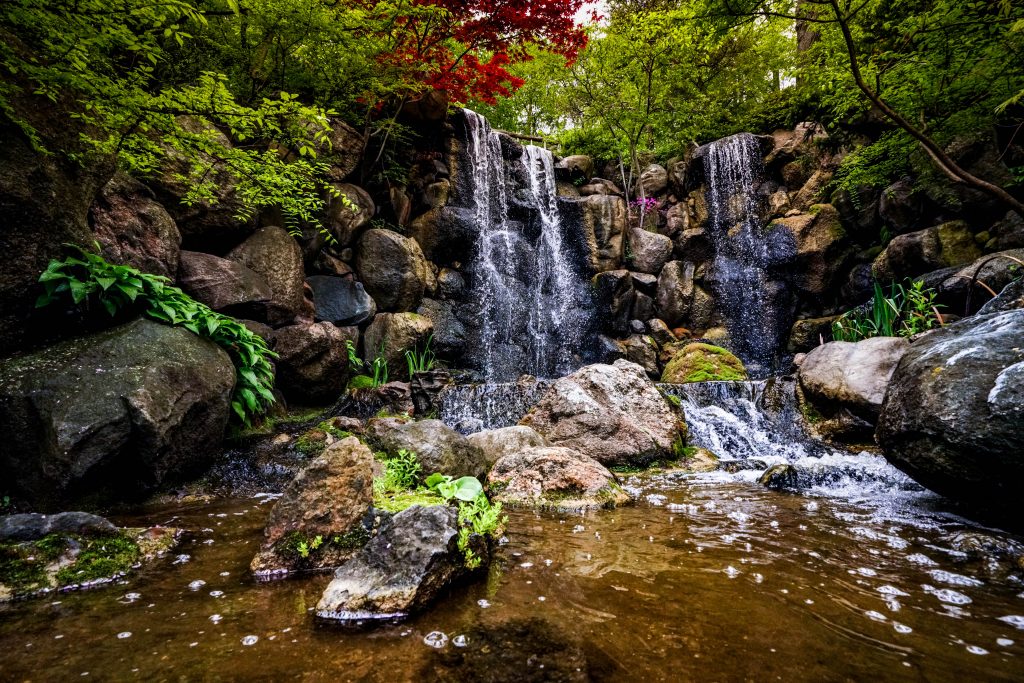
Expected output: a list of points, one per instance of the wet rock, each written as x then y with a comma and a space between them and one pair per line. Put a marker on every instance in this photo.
401, 570
274, 255
426, 388
734, 466
393, 398
133, 229
614, 297
698, 362
449, 334
222, 284
953, 416
964, 290
699, 460
648, 251
987, 547
605, 222
780, 477
450, 283
949, 244
496, 444
553, 477
821, 249
120, 411
613, 413
810, 332
329, 498
313, 364
32, 526
341, 301
660, 332
392, 268
348, 213
390, 335
852, 374
642, 350
675, 292
438, 447
1012, 297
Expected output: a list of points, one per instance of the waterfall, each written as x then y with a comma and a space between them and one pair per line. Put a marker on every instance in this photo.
754, 301
534, 300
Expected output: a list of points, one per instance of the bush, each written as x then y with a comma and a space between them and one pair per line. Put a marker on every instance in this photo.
908, 309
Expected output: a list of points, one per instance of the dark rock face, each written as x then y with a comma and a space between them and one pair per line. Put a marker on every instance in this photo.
900, 207
1012, 297
949, 244
953, 417
313, 363
340, 300
123, 410
328, 498
438, 447
273, 254
392, 268
614, 295
675, 292
449, 335
32, 526
133, 229
222, 284
343, 221
426, 388
400, 571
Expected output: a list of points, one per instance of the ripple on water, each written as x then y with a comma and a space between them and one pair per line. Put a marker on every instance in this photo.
953, 579
435, 639
250, 640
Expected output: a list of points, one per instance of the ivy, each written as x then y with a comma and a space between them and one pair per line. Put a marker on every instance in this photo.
87, 278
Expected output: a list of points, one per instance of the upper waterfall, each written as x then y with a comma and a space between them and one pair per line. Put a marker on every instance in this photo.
534, 300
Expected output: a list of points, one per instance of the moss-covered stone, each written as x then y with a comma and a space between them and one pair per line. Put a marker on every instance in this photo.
700, 362
311, 442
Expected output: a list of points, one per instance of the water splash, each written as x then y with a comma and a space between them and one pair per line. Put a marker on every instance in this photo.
756, 302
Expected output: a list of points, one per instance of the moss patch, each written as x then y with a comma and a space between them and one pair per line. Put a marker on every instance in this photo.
700, 362
396, 501
36, 565
100, 558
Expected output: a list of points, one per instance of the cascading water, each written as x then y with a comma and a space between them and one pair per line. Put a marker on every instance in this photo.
754, 301
534, 302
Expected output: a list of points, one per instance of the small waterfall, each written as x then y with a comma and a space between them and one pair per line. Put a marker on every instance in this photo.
534, 301
469, 408
755, 302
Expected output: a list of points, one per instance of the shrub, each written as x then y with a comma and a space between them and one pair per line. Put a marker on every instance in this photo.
910, 308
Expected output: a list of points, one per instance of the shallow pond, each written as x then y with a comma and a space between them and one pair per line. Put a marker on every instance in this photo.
709, 578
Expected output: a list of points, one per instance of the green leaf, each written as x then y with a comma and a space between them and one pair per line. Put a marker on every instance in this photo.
467, 488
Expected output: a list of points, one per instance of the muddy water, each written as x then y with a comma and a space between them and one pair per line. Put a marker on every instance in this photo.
702, 579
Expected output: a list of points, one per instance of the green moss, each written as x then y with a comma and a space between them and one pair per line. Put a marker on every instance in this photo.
396, 501
311, 443
698, 362
20, 571
360, 382
100, 557
328, 427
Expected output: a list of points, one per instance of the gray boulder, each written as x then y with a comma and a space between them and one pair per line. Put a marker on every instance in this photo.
605, 222
401, 570
676, 291
653, 180
222, 284
341, 301
31, 526
133, 229
495, 444
390, 335
438, 447
120, 412
949, 244
274, 255
392, 268
613, 413
953, 417
852, 374
313, 364
648, 251
1012, 297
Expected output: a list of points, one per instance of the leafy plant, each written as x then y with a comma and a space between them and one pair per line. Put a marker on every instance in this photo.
420, 361
463, 488
478, 516
88, 277
378, 369
908, 309
401, 470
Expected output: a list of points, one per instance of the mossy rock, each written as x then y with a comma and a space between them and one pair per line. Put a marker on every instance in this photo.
700, 362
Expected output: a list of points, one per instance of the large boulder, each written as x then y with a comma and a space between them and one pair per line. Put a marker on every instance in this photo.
341, 301
648, 251
438, 447
953, 416
348, 212
653, 180
449, 334
700, 362
133, 229
605, 221
313, 364
392, 268
1010, 298
222, 284
901, 207
273, 254
613, 413
852, 374
942, 246
120, 412
577, 166
614, 298
328, 498
676, 291
390, 335
401, 570
495, 444
553, 477
822, 249
964, 291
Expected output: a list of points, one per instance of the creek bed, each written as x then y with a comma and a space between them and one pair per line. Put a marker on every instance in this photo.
704, 578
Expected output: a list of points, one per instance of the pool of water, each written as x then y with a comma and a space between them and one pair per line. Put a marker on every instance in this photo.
704, 578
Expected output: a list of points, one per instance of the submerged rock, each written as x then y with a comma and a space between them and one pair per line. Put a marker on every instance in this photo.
401, 570
613, 413
496, 444
953, 417
553, 477
121, 411
699, 362
438, 447
328, 500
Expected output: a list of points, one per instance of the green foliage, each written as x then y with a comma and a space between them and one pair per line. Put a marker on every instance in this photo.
463, 488
909, 308
401, 470
89, 278
478, 516
378, 369
420, 361
100, 557
304, 551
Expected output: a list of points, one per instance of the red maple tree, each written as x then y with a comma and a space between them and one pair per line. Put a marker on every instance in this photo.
466, 46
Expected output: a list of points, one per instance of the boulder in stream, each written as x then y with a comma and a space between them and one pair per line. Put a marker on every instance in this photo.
554, 477
953, 416
698, 362
852, 374
505, 441
613, 413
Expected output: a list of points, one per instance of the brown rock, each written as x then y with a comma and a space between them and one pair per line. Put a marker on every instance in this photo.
273, 254
555, 477
133, 229
221, 284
